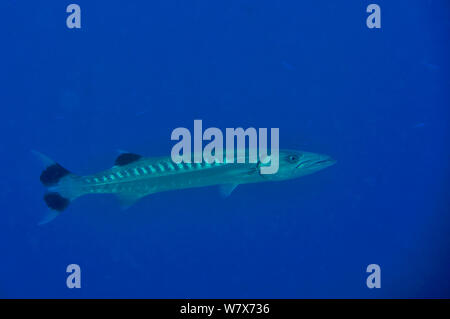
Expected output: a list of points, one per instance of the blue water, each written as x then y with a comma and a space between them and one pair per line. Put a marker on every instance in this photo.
377, 100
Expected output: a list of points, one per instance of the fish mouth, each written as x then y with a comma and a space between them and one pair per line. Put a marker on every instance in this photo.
326, 162
317, 164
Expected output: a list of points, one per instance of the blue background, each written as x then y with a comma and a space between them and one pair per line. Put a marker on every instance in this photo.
377, 100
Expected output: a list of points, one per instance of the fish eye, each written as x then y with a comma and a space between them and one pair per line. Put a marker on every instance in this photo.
293, 158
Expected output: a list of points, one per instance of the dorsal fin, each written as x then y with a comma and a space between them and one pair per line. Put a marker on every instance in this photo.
126, 158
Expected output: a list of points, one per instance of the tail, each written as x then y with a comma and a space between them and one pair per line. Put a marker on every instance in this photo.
60, 184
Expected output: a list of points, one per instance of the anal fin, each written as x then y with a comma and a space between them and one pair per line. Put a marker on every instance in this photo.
128, 199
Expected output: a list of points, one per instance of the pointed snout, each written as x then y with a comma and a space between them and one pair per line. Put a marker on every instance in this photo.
316, 162
325, 161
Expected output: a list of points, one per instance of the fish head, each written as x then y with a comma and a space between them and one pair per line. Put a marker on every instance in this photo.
293, 163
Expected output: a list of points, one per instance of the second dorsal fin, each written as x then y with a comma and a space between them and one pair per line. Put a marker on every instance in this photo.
126, 158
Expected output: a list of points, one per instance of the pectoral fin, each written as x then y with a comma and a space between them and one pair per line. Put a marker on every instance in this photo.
227, 189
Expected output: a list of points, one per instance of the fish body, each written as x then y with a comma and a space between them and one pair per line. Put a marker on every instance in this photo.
133, 176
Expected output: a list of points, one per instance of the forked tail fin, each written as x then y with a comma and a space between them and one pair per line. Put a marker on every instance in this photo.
60, 187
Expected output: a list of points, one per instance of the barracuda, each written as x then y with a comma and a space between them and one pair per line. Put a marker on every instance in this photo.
133, 177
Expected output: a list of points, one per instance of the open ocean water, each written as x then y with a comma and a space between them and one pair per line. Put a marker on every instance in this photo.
376, 100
